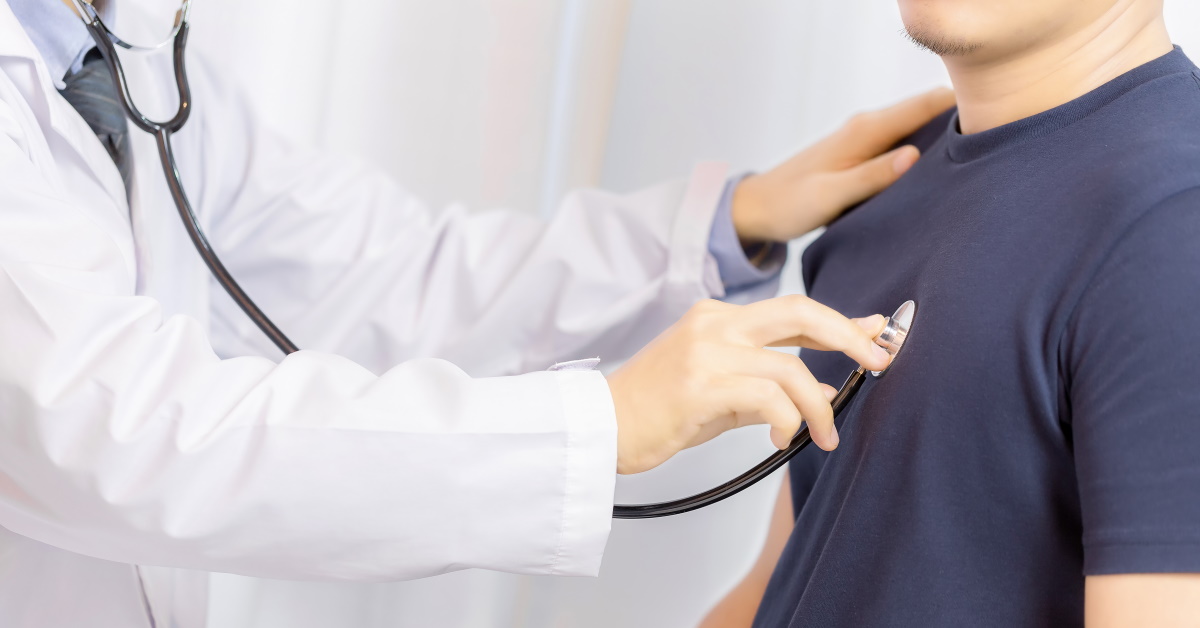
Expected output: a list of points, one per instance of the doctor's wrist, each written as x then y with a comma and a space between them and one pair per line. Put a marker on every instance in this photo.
751, 216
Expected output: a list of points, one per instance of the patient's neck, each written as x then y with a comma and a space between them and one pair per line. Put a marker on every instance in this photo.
997, 91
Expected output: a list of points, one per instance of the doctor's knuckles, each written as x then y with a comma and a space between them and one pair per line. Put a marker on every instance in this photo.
710, 372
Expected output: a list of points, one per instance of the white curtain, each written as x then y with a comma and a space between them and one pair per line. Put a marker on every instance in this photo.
511, 102
484, 102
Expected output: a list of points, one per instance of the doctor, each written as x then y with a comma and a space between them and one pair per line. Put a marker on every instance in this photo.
145, 421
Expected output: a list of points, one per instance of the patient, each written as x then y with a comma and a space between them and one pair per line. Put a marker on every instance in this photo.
1033, 456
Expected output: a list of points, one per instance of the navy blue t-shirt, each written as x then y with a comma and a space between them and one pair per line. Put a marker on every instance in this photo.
1042, 422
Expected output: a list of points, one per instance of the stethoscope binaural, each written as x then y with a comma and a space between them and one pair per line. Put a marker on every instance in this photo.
892, 338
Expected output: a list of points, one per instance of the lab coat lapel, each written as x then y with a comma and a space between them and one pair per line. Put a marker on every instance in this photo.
49, 106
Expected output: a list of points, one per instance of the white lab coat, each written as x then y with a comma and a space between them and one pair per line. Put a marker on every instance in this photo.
143, 419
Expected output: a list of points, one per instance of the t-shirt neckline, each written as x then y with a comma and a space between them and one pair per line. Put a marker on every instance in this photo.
963, 148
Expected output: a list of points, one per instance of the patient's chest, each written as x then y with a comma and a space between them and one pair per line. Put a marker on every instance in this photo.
993, 283
994, 278
953, 498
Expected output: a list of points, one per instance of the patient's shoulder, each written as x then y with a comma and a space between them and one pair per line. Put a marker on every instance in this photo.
1144, 147
1158, 121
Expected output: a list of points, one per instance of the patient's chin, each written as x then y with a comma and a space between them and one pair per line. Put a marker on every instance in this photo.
939, 42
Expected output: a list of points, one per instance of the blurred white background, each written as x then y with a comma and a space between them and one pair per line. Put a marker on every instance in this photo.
511, 102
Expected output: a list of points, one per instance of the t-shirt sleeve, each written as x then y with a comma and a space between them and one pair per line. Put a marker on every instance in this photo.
1132, 360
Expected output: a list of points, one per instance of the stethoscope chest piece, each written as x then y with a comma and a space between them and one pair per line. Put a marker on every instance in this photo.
891, 339
896, 332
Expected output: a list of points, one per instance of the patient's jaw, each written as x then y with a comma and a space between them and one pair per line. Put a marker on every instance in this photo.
982, 31
1012, 59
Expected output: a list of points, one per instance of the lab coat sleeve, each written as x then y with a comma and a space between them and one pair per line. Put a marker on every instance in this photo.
123, 436
346, 260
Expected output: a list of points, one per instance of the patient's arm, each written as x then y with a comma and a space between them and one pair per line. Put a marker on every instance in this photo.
1160, 600
739, 605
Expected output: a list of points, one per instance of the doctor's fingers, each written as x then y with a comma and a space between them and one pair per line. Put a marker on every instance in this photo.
753, 401
799, 321
870, 133
810, 397
873, 325
847, 188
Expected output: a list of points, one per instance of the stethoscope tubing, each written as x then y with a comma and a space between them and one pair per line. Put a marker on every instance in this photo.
744, 481
162, 132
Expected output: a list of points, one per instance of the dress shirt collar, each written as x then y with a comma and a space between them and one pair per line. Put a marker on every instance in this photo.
57, 32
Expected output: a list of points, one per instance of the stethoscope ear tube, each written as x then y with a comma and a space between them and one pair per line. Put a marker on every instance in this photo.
744, 481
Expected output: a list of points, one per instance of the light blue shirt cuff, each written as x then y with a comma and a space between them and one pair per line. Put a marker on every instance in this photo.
737, 273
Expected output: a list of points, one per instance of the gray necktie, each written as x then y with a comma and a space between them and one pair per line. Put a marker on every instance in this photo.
94, 95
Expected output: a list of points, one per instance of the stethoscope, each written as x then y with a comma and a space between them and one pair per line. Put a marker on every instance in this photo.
106, 41
891, 339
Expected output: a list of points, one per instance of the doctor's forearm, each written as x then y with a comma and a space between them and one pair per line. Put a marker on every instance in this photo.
347, 261
126, 438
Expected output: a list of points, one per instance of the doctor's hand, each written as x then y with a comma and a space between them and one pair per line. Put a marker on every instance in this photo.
842, 170
709, 373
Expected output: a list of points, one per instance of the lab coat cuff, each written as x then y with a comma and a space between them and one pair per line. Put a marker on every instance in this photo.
738, 273
591, 467
691, 260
